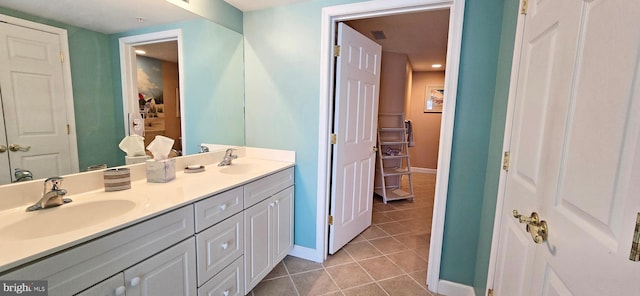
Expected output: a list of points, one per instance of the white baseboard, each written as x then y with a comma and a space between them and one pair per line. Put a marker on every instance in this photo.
424, 170
306, 253
454, 289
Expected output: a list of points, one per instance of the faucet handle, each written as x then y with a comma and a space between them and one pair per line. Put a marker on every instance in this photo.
55, 181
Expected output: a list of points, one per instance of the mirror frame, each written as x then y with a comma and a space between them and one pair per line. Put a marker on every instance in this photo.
128, 70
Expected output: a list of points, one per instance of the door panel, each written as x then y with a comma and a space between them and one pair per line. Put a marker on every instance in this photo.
356, 112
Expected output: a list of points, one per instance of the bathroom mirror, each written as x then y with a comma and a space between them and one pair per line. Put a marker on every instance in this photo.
212, 102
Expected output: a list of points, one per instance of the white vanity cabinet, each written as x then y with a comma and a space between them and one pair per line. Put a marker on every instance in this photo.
268, 225
221, 245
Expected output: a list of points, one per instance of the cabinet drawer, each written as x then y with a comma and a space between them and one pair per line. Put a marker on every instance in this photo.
74, 270
218, 246
217, 208
260, 189
229, 282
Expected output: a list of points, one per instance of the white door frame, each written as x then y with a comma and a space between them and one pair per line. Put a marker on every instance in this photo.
129, 66
66, 76
511, 101
332, 15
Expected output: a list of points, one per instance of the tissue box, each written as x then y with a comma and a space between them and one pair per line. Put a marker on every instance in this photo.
161, 171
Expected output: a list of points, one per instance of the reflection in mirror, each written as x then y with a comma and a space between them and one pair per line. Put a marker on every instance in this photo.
158, 93
212, 103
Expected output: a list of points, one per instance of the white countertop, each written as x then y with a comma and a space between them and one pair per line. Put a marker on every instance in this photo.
151, 199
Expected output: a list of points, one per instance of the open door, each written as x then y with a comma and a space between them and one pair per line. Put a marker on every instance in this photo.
356, 116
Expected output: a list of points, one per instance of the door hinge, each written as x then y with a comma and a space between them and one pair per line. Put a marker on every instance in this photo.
336, 50
505, 161
489, 292
61, 58
525, 7
635, 242
330, 219
68, 129
334, 139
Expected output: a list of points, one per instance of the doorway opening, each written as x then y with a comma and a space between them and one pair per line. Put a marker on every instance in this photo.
332, 16
152, 86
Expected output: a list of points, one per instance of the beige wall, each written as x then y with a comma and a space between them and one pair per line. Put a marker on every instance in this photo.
169, 85
393, 81
426, 126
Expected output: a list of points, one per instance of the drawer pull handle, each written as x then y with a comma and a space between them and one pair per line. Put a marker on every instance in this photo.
135, 281
225, 293
225, 245
223, 207
120, 291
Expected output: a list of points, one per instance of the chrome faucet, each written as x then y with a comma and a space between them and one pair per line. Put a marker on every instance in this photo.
228, 157
51, 198
22, 175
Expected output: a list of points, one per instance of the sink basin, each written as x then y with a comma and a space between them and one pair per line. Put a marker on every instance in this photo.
238, 169
64, 218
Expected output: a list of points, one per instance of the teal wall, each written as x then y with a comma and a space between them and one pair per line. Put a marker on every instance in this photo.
282, 74
213, 82
282, 65
90, 61
472, 134
494, 158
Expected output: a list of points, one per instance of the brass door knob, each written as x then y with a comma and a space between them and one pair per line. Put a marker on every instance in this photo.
3, 148
17, 147
537, 228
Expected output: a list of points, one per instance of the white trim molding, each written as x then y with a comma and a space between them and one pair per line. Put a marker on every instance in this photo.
424, 170
330, 17
455, 289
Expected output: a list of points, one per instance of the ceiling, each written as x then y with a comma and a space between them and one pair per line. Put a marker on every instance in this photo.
422, 36
166, 51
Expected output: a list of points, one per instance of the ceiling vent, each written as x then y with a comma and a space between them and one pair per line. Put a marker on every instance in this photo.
378, 35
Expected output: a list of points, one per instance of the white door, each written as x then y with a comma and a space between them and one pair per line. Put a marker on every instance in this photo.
5, 171
575, 152
356, 116
33, 101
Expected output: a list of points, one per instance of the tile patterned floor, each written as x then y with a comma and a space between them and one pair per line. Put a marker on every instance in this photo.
387, 259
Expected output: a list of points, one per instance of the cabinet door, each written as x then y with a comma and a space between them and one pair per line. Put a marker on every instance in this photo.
282, 219
113, 286
169, 273
257, 240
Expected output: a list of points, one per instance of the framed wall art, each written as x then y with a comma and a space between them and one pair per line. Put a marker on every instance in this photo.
434, 98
